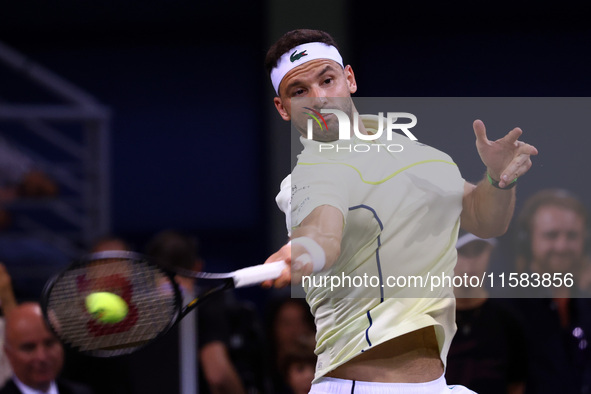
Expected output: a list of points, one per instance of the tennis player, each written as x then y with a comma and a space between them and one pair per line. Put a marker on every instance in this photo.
382, 214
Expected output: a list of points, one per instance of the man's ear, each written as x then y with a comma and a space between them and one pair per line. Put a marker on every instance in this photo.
350, 76
281, 109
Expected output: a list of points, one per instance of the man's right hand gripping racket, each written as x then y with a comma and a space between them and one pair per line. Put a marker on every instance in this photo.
154, 301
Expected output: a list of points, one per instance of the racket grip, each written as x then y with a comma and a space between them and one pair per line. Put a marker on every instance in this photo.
257, 274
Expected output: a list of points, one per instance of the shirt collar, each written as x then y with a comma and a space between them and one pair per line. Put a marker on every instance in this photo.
28, 390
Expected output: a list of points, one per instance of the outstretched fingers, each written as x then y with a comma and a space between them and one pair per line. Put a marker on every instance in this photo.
520, 164
480, 131
512, 137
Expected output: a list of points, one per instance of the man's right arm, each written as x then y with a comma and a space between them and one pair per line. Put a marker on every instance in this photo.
323, 226
220, 374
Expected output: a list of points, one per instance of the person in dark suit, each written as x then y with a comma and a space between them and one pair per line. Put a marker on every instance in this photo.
35, 354
553, 240
62, 386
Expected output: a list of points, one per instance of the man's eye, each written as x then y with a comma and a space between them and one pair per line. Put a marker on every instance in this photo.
552, 235
327, 81
298, 92
27, 347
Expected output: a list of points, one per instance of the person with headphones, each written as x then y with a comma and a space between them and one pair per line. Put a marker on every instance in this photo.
553, 234
488, 352
553, 239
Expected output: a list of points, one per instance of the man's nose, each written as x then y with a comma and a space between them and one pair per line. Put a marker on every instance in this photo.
317, 92
318, 99
41, 353
562, 243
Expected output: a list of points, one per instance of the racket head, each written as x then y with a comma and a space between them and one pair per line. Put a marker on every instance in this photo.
153, 298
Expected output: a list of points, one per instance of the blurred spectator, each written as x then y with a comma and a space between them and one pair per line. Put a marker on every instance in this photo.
174, 250
92, 370
35, 354
31, 262
488, 352
19, 177
5, 368
298, 369
552, 239
553, 235
109, 242
7, 298
290, 324
7, 303
229, 343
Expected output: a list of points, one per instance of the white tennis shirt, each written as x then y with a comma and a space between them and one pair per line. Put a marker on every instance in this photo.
401, 214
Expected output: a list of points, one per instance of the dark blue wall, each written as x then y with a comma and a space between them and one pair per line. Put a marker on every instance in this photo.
184, 82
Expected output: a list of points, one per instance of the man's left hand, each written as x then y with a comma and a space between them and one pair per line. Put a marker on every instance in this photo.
507, 158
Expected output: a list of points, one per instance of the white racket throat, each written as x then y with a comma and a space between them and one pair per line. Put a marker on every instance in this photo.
251, 276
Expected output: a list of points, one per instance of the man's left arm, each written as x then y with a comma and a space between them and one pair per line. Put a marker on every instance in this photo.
486, 208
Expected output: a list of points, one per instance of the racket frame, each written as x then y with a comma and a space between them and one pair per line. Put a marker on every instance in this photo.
240, 278
179, 310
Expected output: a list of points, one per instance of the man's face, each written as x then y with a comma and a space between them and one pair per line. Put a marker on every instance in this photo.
558, 240
473, 258
290, 326
300, 376
35, 354
315, 85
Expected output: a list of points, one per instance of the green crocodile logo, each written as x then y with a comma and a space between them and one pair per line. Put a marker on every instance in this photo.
297, 56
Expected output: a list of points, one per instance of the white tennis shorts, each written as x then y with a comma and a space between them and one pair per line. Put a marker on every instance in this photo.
342, 386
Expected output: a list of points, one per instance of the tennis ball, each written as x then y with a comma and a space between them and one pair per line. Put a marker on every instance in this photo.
106, 307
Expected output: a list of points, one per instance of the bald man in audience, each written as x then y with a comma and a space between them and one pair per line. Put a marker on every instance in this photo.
35, 354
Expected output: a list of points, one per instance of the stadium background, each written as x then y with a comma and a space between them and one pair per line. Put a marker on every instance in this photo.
196, 144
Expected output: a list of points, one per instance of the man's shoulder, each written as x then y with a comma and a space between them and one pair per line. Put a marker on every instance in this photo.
69, 387
64, 387
9, 388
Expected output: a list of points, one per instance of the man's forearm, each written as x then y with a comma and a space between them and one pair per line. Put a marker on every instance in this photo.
324, 225
487, 210
219, 371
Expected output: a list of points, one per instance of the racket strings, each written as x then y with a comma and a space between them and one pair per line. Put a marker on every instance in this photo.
148, 291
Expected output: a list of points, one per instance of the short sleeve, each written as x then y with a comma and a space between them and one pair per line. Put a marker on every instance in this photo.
283, 200
316, 185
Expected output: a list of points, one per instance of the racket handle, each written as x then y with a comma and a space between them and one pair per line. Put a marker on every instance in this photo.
257, 274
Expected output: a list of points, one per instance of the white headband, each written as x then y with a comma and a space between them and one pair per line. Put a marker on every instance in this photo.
300, 55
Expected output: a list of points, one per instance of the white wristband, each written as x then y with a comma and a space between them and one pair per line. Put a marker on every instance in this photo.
315, 251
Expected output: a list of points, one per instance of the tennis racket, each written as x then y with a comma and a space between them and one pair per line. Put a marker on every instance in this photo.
153, 298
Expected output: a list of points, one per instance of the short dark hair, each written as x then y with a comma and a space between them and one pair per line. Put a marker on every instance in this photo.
292, 39
550, 197
303, 354
173, 249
